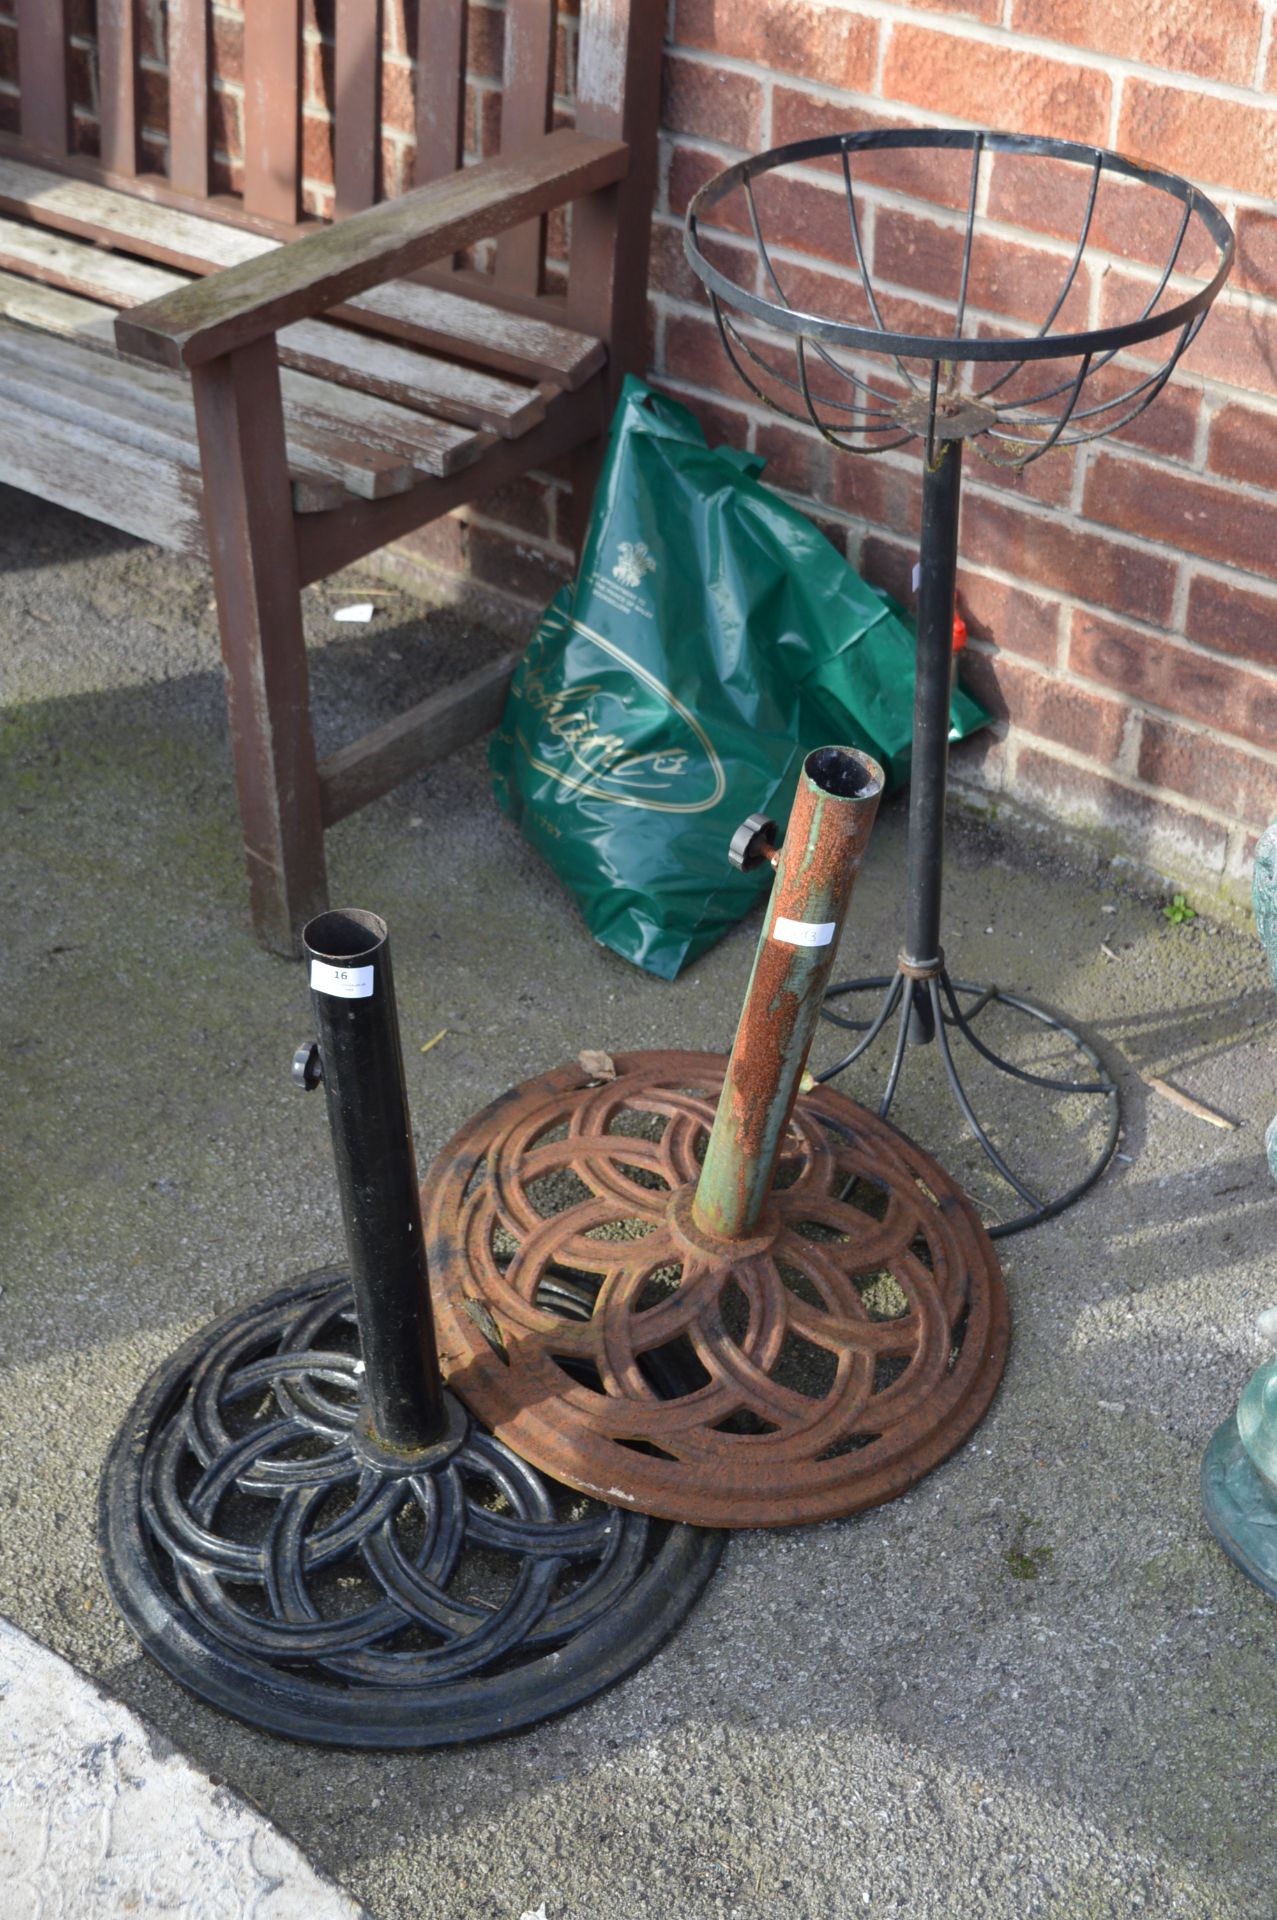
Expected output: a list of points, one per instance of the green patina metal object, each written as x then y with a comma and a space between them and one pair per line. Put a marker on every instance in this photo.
1241, 1506
825, 842
1257, 1419
1239, 1469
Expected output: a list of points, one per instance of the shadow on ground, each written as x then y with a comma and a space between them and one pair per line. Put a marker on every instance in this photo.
883, 1716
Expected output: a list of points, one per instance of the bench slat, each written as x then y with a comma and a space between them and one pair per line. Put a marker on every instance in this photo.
272, 108
527, 91
155, 395
111, 278
433, 447
411, 379
63, 461
368, 472
329, 265
436, 448
431, 317
357, 106
117, 84
317, 444
188, 143
42, 66
99, 409
506, 342
71, 351
50, 311
442, 38
167, 234
151, 422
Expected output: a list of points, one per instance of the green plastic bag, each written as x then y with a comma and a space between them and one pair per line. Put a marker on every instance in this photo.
713, 638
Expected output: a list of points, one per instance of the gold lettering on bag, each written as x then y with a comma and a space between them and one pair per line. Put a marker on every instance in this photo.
598, 756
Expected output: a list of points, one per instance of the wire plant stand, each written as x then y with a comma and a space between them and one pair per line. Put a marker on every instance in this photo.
1017, 386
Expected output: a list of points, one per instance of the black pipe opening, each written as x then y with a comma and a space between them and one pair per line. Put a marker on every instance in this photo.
346, 933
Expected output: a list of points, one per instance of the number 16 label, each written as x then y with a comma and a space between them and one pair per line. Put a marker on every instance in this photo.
346, 983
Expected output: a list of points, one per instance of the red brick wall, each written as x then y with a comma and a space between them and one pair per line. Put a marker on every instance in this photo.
1122, 597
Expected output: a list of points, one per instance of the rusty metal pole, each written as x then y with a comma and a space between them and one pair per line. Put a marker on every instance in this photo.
825, 842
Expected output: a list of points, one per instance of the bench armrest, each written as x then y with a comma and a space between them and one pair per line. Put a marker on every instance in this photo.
305, 277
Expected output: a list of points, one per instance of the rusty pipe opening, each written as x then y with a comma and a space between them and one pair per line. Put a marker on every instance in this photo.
844, 772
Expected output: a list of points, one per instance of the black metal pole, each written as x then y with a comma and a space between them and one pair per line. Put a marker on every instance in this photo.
353, 996
929, 768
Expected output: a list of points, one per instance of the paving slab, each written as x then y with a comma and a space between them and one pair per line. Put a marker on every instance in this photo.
101, 1817
1033, 1686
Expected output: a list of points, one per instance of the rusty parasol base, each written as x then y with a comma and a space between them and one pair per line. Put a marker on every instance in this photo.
832, 1359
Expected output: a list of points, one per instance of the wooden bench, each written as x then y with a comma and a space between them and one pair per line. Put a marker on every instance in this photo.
208, 371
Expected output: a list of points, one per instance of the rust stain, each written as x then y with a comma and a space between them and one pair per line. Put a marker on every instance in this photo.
821, 855
759, 1383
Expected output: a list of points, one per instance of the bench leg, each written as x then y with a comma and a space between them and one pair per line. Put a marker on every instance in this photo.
249, 518
585, 465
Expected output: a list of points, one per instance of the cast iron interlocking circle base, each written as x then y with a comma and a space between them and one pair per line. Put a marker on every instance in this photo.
272, 1567
831, 1361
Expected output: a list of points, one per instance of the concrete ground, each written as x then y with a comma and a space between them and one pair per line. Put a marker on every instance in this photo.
1032, 1687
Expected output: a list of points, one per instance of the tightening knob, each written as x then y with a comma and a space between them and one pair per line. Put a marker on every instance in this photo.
753, 842
308, 1068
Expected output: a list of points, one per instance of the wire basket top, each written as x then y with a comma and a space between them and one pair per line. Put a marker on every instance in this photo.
961, 382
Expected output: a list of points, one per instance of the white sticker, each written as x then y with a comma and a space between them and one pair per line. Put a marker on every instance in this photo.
348, 983
804, 933
917, 577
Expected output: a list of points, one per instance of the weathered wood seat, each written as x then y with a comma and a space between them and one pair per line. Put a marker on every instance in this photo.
204, 370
